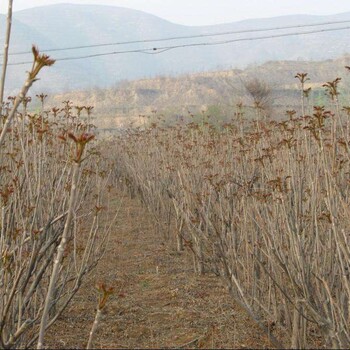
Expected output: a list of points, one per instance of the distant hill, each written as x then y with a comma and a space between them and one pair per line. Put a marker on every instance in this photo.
67, 25
215, 92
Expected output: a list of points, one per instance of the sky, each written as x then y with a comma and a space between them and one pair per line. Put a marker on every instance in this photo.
207, 12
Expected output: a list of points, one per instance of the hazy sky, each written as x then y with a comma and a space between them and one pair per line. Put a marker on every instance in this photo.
201, 12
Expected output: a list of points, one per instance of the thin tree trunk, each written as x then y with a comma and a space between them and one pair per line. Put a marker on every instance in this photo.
25, 88
6, 52
59, 256
94, 328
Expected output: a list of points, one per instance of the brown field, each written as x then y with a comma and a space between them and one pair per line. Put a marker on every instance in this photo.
159, 301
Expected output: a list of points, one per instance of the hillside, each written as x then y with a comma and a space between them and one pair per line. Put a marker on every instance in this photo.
216, 92
66, 25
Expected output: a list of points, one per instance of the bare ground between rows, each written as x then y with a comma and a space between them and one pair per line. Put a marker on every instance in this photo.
159, 302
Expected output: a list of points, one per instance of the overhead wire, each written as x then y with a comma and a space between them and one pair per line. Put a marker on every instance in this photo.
205, 35
159, 50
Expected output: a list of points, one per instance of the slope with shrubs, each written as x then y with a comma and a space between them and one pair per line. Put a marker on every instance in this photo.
210, 91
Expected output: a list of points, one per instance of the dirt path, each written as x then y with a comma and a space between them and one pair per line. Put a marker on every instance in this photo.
159, 302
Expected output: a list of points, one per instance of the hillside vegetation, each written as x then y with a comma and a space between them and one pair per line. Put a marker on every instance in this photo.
216, 93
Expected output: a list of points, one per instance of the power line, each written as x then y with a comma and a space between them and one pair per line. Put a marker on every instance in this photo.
183, 37
159, 50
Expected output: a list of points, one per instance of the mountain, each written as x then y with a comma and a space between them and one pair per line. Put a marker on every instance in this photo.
66, 25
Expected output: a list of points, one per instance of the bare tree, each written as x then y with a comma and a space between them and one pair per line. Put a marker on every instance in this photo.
260, 92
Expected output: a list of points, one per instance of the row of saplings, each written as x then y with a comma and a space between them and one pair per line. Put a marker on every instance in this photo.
263, 204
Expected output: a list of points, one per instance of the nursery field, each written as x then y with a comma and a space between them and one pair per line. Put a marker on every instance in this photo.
262, 203
208, 210
202, 233
159, 302
199, 232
